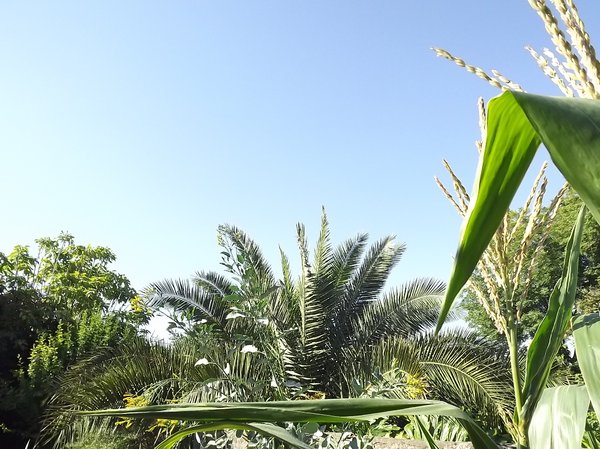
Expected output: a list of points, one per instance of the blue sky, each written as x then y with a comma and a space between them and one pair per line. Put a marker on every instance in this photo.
144, 125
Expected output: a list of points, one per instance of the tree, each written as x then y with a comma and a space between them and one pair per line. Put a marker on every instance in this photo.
333, 325
54, 308
548, 272
330, 332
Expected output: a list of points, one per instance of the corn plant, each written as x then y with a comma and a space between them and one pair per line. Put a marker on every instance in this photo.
570, 129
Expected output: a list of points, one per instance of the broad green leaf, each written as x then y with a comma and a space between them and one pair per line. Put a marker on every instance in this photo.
510, 146
570, 130
558, 421
550, 334
266, 429
517, 123
586, 330
321, 411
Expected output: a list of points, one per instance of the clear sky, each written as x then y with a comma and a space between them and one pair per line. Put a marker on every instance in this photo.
143, 125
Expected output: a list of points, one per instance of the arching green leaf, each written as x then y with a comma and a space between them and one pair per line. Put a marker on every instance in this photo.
517, 124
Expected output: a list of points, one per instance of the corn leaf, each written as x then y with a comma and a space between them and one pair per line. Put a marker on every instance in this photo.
321, 411
550, 334
425, 432
517, 123
559, 418
586, 330
266, 429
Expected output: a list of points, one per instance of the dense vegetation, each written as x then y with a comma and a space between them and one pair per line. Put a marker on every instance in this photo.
332, 331
257, 349
55, 308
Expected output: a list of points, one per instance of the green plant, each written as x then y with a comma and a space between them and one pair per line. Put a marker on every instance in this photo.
516, 127
258, 416
331, 326
517, 124
55, 308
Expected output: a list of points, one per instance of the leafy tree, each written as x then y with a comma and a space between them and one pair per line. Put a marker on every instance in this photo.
54, 307
548, 271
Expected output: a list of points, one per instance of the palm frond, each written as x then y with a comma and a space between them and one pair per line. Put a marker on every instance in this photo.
323, 251
185, 295
251, 253
213, 283
460, 367
404, 312
105, 378
368, 281
346, 258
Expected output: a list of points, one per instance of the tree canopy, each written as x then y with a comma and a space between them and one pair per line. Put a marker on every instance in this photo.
55, 306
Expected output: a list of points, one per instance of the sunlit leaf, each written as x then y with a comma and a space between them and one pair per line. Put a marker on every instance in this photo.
551, 331
517, 123
265, 429
586, 330
321, 411
558, 421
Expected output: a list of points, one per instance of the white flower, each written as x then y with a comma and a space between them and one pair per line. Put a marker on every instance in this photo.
273, 381
202, 362
249, 348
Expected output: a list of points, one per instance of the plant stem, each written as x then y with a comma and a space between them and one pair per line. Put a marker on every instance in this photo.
513, 347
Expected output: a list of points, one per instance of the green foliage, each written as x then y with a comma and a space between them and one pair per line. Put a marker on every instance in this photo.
551, 331
330, 332
547, 272
257, 414
54, 308
439, 427
333, 326
560, 417
517, 123
104, 441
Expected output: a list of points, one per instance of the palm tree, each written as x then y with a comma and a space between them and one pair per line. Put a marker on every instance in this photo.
329, 332
334, 323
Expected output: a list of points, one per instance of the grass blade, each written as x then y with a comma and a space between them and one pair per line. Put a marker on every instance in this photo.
517, 123
510, 147
425, 432
570, 130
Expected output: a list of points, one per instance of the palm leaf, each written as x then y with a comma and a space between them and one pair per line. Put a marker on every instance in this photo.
458, 366
346, 259
404, 312
251, 253
184, 295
